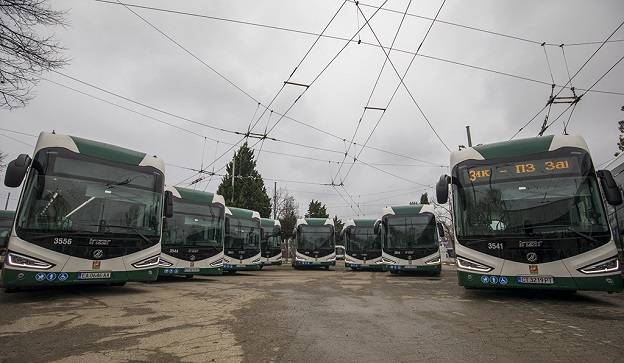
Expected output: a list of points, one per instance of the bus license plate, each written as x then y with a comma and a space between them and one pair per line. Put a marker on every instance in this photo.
241, 265
545, 280
192, 269
94, 275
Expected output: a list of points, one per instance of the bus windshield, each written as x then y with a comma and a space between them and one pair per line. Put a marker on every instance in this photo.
406, 232
316, 238
550, 196
244, 234
272, 237
363, 239
196, 225
71, 193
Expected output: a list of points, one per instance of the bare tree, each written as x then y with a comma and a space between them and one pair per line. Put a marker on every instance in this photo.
25, 55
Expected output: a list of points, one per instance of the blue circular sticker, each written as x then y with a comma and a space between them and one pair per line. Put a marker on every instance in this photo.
40, 276
51, 276
484, 279
63, 276
494, 279
503, 280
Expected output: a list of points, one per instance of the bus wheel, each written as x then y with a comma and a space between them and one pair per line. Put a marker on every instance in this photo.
394, 272
231, 271
189, 276
120, 283
327, 267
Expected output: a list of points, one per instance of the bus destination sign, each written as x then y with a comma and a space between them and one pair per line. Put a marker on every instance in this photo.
524, 168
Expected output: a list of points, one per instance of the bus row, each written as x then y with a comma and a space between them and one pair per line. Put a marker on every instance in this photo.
526, 213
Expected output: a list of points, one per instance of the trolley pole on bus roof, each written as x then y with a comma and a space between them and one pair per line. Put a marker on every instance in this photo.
469, 138
7, 202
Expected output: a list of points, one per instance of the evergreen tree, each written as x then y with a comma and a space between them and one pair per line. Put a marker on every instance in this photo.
338, 225
249, 191
424, 199
316, 210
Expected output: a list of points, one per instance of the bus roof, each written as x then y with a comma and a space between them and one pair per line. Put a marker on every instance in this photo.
408, 209
195, 195
97, 149
268, 222
315, 221
6, 214
241, 212
517, 147
360, 222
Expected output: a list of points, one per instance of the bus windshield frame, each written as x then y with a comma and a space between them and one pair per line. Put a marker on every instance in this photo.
272, 237
551, 195
244, 234
70, 194
407, 232
195, 224
316, 238
363, 239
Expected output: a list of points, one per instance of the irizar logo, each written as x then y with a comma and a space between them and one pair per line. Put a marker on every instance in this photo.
531, 256
98, 253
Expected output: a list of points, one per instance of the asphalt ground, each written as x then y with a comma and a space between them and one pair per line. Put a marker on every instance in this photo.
280, 314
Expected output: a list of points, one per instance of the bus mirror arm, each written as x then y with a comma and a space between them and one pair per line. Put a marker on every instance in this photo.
442, 189
440, 230
612, 192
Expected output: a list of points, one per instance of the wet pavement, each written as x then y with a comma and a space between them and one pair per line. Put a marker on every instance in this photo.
280, 314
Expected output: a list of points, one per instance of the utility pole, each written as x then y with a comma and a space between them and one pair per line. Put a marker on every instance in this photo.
469, 138
233, 173
275, 201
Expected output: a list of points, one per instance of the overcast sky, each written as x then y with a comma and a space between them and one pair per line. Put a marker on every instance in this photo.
185, 79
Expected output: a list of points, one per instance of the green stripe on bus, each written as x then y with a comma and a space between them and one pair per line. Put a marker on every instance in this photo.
514, 148
108, 152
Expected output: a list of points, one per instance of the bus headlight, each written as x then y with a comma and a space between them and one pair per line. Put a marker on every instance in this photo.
610, 265
471, 265
331, 259
148, 262
300, 259
433, 261
217, 263
15, 259
165, 263
388, 261
256, 261
348, 260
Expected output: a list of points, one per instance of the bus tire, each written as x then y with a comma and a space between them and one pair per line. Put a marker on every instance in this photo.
189, 276
119, 283
394, 272
231, 271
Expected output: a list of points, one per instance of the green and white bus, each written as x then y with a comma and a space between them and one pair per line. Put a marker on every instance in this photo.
89, 212
616, 213
242, 240
315, 243
271, 242
6, 224
362, 245
409, 239
528, 213
192, 240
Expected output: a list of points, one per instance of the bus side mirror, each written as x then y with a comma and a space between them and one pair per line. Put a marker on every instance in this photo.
294, 234
612, 192
442, 189
376, 226
16, 170
168, 204
227, 225
440, 230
